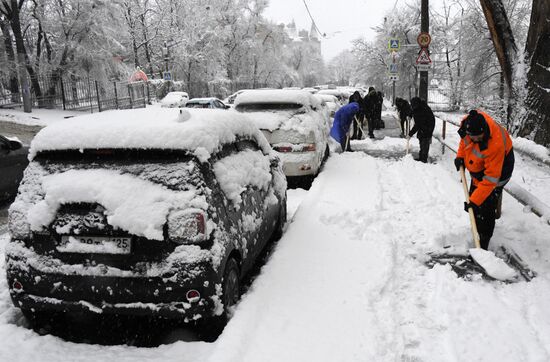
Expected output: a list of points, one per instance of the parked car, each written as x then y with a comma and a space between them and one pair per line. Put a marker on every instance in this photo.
13, 160
212, 103
293, 123
329, 102
174, 100
165, 220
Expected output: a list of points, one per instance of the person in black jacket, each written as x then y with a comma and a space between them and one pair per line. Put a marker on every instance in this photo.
370, 104
359, 117
404, 110
424, 123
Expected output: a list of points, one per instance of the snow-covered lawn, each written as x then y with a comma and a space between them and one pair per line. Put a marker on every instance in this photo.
346, 281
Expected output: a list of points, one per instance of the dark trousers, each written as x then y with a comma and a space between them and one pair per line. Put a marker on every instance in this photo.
485, 216
424, 149
345, 144
371, 123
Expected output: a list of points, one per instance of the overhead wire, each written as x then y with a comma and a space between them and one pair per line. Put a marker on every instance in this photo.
324, 35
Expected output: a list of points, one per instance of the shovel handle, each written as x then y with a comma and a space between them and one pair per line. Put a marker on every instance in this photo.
473, 224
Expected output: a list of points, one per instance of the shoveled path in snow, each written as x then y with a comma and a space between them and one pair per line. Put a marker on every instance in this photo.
345, 283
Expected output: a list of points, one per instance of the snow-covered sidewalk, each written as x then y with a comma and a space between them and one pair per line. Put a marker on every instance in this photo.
346, 282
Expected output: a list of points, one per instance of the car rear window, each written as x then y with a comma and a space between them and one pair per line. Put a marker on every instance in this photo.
254, 107
175, 170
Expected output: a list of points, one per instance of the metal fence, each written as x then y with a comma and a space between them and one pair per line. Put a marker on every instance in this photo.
79, 94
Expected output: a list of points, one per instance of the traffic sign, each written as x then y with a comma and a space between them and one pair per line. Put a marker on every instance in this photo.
393, 68
167, 75
423, 57
424, 39
394, 45
423, 67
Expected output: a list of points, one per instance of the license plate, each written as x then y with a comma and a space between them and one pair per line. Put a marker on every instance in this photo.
94, 244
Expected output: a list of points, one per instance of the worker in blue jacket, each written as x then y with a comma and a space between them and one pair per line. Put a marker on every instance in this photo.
342, 121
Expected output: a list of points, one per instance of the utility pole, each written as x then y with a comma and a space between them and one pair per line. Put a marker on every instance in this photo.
425, 28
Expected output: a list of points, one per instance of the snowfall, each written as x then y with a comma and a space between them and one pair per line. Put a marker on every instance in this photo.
347, 281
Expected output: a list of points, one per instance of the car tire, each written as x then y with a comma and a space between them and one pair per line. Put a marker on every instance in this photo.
280, 222
210, 329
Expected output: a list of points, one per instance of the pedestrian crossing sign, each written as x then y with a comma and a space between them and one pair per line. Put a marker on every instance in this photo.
394, 45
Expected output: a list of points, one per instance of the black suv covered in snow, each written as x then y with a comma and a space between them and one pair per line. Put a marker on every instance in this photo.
143, 212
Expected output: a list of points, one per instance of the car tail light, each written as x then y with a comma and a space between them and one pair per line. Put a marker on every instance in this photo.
193, 296
308, 147
304, 147
17, 286
283, 149
187, 227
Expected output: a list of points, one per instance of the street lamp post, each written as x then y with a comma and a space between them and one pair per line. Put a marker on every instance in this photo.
424, 27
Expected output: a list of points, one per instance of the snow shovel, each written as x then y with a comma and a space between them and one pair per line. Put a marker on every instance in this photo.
480, 261
407, 127
473, 225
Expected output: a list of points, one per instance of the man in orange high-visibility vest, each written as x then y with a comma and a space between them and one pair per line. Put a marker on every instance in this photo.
486, 151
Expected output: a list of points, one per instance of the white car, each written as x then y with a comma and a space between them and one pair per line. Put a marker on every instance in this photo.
329, 102
293, 123
174, 100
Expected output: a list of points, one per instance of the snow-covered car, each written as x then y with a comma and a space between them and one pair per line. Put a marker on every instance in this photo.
329, 102
293, 124
174, 100
13, 160
120, 215
209, 102
339, 94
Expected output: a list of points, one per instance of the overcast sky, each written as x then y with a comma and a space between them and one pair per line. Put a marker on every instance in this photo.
341, 20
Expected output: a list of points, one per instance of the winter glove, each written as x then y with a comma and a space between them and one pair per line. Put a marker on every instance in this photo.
459, 161
471, 205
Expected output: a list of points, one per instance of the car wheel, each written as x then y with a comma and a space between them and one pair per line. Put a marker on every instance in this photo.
231, 286
280, 222
210, 329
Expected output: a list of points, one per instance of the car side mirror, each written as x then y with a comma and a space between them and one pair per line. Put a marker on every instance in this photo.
274, 162
15, 145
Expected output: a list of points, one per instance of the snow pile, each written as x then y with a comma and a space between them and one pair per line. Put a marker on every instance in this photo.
203, 134
238, 171
493, 266
134, 205
277, 96
532, 149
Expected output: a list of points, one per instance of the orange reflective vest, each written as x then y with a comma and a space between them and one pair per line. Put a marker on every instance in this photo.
485, 160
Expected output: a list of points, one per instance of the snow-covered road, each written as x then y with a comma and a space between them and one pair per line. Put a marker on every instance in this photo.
346, 281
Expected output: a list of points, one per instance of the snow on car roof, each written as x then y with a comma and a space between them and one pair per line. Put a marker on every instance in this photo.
279, 96
201, 100
197, 130
326, 97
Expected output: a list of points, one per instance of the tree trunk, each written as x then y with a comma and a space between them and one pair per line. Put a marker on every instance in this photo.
536, 119
12, 68
502, 36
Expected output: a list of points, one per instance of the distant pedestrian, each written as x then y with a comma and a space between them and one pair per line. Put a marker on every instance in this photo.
342, 122
370, 103
486, 150
424, 123
405, 111
355, 97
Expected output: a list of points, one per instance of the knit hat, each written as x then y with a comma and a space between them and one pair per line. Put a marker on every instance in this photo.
475, 123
